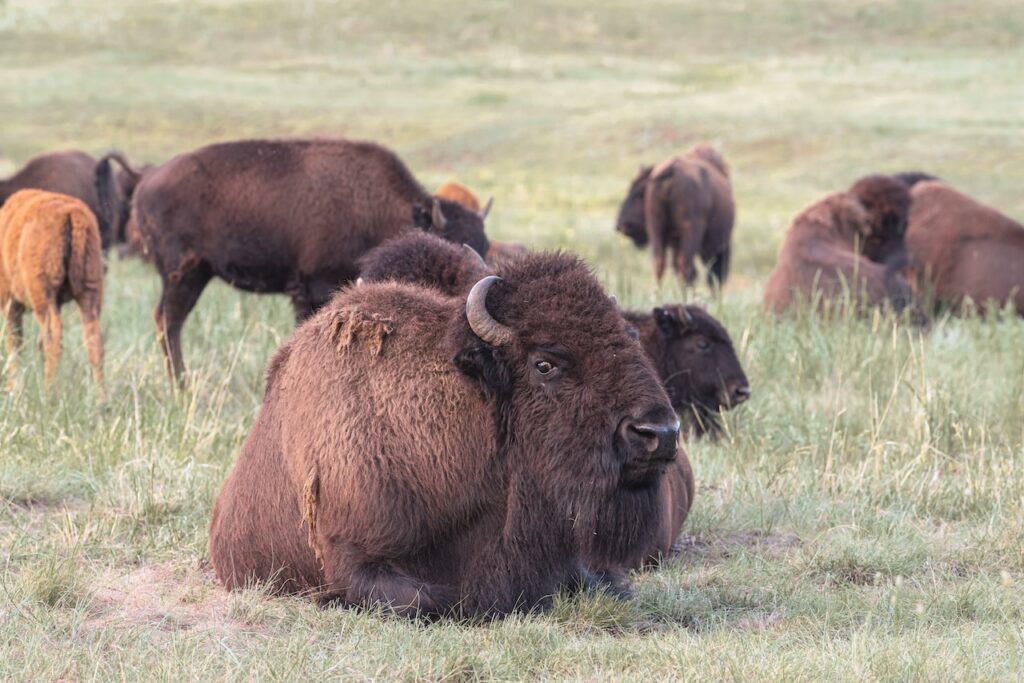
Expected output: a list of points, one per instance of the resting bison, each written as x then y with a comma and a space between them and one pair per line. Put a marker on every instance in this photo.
287, 216
50, 252
695, 359
442, 453
68, 172
426, 260
967, 249
683, 205
827, 246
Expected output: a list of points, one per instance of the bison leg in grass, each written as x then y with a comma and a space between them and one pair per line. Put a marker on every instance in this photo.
180, 293
13, 312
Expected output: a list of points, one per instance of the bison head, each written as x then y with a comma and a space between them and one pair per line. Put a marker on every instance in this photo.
454, 222
580, 411
425, 260
631, 222
887, 201
697, 362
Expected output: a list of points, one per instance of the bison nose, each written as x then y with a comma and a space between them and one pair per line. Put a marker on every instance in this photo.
652, 440
739, 394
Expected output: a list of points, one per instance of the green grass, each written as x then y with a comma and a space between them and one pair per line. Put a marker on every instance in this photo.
861, 518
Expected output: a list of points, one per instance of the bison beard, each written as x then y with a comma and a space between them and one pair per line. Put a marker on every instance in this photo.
468, 470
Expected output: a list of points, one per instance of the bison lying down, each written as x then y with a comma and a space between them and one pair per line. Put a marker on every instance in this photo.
279, 216
967, 249
443, 453
683, 205
848, 241
50, 252
690, 350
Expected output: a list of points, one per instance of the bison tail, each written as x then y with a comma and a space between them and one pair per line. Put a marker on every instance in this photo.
83, 253
107, 193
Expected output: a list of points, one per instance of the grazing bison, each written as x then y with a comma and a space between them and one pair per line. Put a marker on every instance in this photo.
441, 453
966, 249
824, 251
69, 172
685, 206
50, 252
289, 216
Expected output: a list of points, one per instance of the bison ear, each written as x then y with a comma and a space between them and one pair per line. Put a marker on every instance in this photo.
421, 217
672, 321
479, 362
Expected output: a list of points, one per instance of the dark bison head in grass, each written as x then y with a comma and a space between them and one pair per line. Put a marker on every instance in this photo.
631, 222
887, 201
695, 358
453, 222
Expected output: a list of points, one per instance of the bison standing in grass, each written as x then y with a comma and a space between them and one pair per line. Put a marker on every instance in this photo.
683, 206
439, 453
284, 216
847, 242
967, 250
69, 172
115, 190
50, 252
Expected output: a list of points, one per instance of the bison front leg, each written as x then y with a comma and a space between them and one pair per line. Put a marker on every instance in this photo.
354, 580
179, 297
13, 312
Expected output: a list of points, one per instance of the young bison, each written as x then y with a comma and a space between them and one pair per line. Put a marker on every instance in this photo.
279, 216
50, 252
968, 250
441, 454
830, 247
685, 206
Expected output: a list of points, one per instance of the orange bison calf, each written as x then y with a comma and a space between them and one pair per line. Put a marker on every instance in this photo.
846, 242
967, 249
471, 453
50, 253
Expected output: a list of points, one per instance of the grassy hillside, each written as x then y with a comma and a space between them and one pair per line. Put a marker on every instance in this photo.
860, 519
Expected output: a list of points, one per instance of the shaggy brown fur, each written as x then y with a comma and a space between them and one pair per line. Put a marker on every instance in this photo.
695, 359
287, 216
69, 172
426, 260
456, 192
683, 206
502, 253
967, 249
400, 458
51, 252
822, 253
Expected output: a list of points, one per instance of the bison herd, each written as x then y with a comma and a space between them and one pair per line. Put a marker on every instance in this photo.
458, 425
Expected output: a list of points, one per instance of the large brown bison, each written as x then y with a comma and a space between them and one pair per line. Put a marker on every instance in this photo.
50, 253
69, 172
966, 250
289, 216
440, 453
684, 206
838, 245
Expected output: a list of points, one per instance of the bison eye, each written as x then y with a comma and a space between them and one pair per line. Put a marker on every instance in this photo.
703, 344
543, 367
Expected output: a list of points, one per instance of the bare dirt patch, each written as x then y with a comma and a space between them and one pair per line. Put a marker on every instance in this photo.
166, 596
689, 548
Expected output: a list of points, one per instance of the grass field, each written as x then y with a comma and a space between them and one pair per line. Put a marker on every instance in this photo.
860, 519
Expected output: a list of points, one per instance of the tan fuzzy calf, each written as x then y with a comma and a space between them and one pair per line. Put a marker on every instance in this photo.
50, 252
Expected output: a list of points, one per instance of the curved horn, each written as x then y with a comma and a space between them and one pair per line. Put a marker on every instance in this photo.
437, 216
480, 320
477, 258
487, 208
